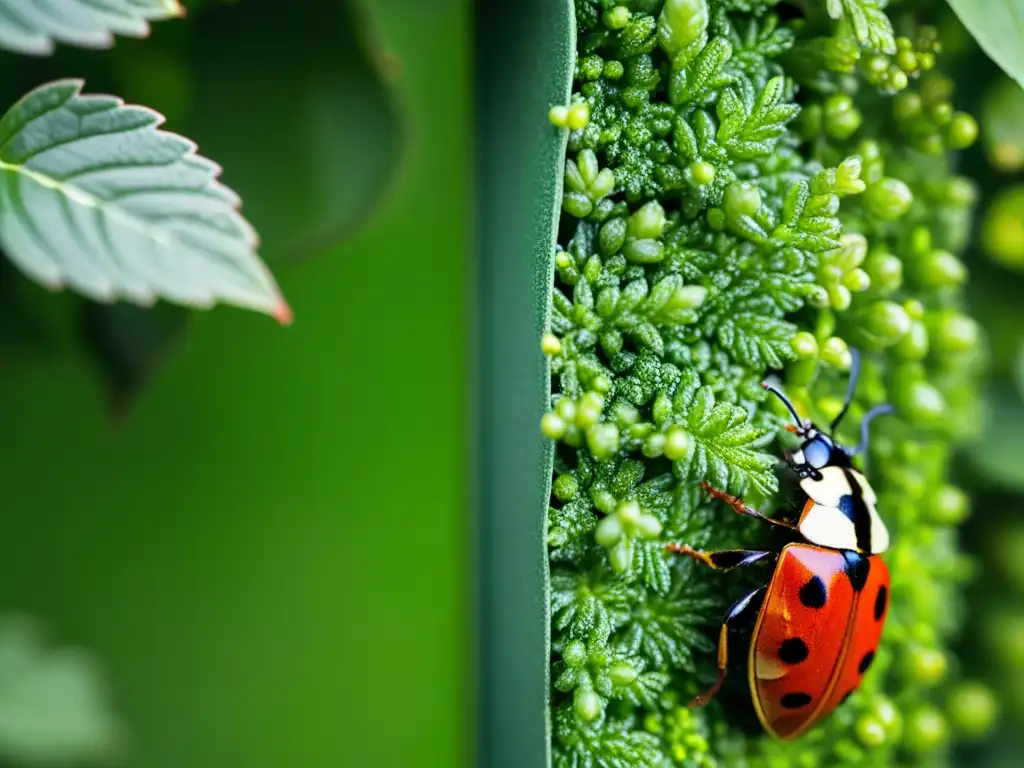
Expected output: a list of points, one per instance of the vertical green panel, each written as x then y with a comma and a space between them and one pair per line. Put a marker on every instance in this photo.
524, 62
269, 557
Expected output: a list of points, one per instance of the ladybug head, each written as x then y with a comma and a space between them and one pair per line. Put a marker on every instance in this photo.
818, 449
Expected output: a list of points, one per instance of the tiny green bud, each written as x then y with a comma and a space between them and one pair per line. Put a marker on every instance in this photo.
552, 426
836, 353
617, 17
962, 131
888, 198
586, 162
870, 731
644, 251
550, 345
681, 23
577, 204
889, 716
914, 345
629, 513
926, 729
940, 269
557, 537
898, 80
648, 527
887, 321
611, 236
603, 440
876, 64
804, 345
856, 280
930, 144
648, 222
885, 271
972, 709
839, 297
848, 181
941, 113
906, 106
914, 308
654, 445
579, 116
613, 70
960, 192
574, 654
678, 444
688, 297
603, 185
608, 531
920, 401
954, 333
622, 673
703, 173
926, 666
948, 505
565, 487
621, 555
587, 414
842, 118
566, 408
559, 115
906, 60
818, 297
586, 704
741, 199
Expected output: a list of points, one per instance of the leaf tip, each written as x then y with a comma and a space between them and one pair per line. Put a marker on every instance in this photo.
283, 313
176, 10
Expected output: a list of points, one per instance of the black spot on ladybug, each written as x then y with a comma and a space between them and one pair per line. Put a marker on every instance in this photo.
795, 700
847, 695
793, 651
866, 662
812, 594
857, 569
880, 602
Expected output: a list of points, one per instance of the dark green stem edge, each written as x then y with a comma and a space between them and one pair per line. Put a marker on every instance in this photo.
525, 59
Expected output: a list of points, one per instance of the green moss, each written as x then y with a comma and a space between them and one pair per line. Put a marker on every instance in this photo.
747, 198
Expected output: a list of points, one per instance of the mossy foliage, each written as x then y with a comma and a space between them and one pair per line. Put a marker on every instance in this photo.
751, 188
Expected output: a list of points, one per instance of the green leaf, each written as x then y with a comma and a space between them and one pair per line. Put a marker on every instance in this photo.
35, 28
998, 27
870, 24
52, 703
520, 164
95, 197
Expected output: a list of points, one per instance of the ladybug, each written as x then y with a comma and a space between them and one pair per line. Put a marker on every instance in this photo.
818, 621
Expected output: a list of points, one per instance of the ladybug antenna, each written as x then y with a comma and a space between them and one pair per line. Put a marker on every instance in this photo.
785, 401
850, 387
878, 410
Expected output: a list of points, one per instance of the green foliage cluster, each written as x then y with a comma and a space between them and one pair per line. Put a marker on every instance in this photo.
751, 188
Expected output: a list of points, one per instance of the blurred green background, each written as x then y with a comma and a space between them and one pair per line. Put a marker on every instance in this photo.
265, 549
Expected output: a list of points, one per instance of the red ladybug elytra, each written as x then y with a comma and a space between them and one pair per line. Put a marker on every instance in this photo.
817, 623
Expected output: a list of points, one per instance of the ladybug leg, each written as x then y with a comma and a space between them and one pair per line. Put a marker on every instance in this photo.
722, 559
744, 609
740, 508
